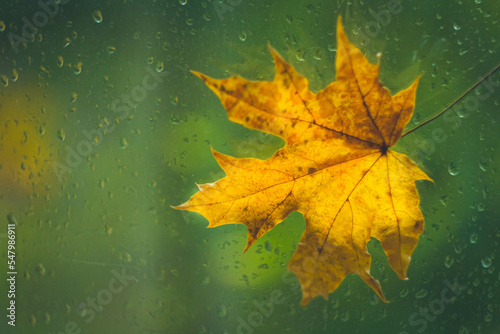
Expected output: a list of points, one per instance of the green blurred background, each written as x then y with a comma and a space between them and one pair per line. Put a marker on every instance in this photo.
94, 149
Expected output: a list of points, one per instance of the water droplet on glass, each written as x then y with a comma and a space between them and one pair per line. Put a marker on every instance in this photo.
300, 54
74, 96
2, 25
243, 36
159, 66
318, 55
448, 261
463, 330
456, 26
483, 164
111, 49
40, 269
60, 61
332, 48
67, 42
207, 16
421, 294
46, 317
183, 2
486, 262
78, 68
478, 1
4, 80
14, 76
61, 135
453, 169
97, 16
473, 238
123, 143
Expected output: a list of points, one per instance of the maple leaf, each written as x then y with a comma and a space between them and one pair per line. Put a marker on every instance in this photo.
335, 168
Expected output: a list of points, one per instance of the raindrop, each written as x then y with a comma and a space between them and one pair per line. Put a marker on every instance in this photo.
4, 80
318, 55
189, 22
61, 135
453, 169
183, 2
40, 269
486, 262
25, 138
300, 54
222, 311
478, 1
448, 261
67, 42
74, 96
456, 26
123, 143
243, 36
60, 61
463, 330
207, 16
483, 164
268, 246
78, 68
46, 317
421, 294
97, 16
473, 238
2, 25
15, 75
332, 48
159, 67
111, 50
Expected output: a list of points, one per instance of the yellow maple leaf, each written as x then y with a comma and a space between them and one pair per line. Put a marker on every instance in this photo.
336, 169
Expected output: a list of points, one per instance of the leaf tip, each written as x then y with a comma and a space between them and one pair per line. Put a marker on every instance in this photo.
180, 206
200, 75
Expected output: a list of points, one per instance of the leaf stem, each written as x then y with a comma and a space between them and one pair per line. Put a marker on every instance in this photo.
451, 105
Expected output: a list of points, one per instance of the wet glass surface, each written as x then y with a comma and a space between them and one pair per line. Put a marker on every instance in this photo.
103, 128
